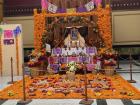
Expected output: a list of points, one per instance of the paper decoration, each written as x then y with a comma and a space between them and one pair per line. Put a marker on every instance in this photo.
81, 9
71, 10
84, 59
52, 8
90, 50
17, 31
57, 51
97, 2
8, 41
50, 60
53, 60
11, 33
72, 59
61, 10
44, 4
89, 6
90, 67
8, 33
55, 67
63, 59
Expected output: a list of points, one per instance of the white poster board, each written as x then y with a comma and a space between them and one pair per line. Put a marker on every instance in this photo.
11, 47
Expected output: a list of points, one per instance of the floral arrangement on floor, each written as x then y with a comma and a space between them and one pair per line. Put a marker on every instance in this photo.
70, 74
109, 58
37, 58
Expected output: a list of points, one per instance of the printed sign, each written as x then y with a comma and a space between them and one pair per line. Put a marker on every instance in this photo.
8, 33
8, 41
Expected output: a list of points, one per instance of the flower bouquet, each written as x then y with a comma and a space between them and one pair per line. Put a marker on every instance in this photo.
109, 62
37, 58
72, 66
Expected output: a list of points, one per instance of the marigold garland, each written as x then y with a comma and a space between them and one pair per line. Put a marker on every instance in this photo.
39, 26
104, 24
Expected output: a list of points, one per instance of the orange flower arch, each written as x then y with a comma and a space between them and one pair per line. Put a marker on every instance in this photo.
104, 24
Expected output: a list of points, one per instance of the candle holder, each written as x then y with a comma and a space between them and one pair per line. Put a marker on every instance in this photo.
24, 100
85, 101
12, 75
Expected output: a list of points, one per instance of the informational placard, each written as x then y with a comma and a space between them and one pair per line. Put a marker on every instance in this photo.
11, 48
8, 41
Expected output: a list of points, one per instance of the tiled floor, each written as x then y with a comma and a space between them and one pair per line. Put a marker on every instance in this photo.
136, 76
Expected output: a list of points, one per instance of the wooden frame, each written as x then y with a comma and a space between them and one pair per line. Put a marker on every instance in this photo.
103, 22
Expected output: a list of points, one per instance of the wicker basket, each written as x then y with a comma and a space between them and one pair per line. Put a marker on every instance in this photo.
109, 70
36, 71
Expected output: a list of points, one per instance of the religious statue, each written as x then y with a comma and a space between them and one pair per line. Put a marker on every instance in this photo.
74, 39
